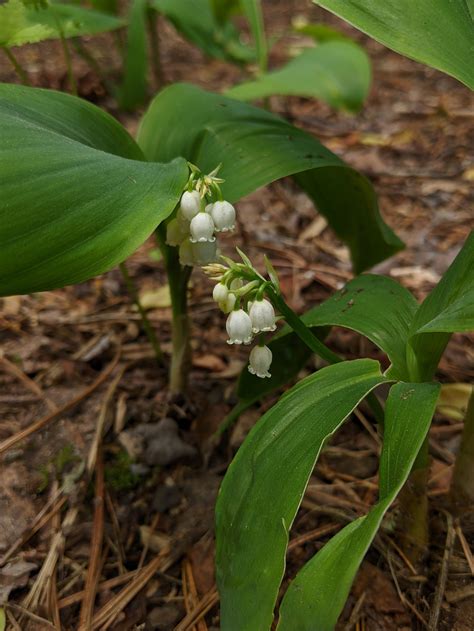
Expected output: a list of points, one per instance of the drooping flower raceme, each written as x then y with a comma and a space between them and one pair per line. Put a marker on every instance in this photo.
262, 315
202, 213
260, 360
239, 327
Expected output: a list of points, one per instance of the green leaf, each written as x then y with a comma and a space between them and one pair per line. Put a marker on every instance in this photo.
255, 148
436, 32
196, 21
319, 32
336, 72
16, 28
133, 90
315, 598
264, 486
76, 196
3, 621
447, 309
75, 21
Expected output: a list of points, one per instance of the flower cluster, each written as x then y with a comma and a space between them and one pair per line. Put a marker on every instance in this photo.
240, 293
201, 214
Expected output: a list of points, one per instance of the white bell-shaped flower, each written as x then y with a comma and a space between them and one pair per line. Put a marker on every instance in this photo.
260, 361
239, 327
223, 214
186, 256
220, 292
204, 252
202, 228
209, 208
190, 204
262, 316
176, 232
228, 304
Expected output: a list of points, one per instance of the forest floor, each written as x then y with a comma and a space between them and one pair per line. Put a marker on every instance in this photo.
78, 359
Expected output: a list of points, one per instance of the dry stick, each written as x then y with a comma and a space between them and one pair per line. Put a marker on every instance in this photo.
29, 383
39, 521
46, 624
121, 600
190, 593
208, 602
13, 440
90, 588
403, 599
313, 534
75, 598
443, 575
53, 592
99, 430
465, 548
355, 615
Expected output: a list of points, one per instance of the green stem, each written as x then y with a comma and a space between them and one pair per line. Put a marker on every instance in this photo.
152, 19
178, 279
315, 344
67, 55
18, 68
462, 486
92, 63
147, 327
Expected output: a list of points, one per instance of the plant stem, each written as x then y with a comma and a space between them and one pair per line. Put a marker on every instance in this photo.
92, 62
315, 344
178, 279
147, 326
67, 55
18, 68
462, 485
152, 19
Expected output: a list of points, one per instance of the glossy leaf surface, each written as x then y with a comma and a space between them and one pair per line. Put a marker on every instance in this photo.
76, 196
255, 148
315, 598
439, 33
337, 72
264, 485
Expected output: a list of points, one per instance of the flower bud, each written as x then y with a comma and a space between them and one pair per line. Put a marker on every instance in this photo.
223, 215
202, 228
186, 256
228, 304
260, 361
262, 316
190, 204
204, 252
175, 232
239, 327
220, 292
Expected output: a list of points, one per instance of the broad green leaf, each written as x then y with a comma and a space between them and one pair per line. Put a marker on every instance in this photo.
133, 90
315, 598
223, 9
196, 21
3, 620
265, 483
439, 33
17, 29
76, 196
336, 72
106, 6
447, 309
253, 11
255, 148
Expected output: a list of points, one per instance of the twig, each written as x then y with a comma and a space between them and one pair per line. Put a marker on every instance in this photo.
208, 602
53, 592
443, 575
465, 547
147, 327
90, 588
41, 423
403, 599
24, 612
313, 534
29, 383
355, 615
75, 598
191, 599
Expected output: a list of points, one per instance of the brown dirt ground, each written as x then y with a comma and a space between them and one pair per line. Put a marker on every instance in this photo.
414, 139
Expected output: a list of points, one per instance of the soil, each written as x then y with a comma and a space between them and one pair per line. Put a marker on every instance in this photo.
150, 482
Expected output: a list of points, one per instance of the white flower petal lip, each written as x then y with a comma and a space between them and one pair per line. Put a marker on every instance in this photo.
260, 360
220, 292
202, 228
190, 204
223, 214
262, 315
204, 252
175, 232
239, 327
186, 256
